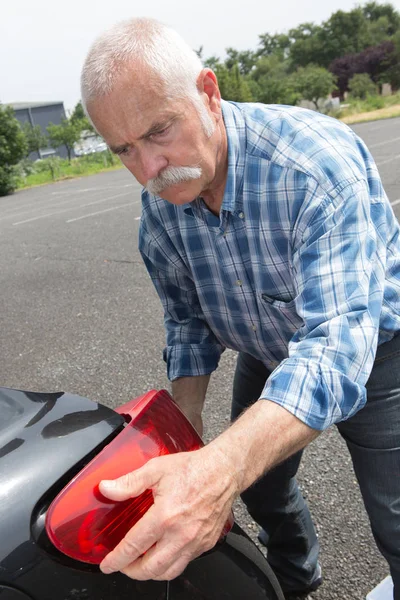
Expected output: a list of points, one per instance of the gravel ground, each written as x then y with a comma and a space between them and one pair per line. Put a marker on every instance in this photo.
78, 313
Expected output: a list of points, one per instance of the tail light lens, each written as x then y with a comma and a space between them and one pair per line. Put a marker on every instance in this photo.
85, 525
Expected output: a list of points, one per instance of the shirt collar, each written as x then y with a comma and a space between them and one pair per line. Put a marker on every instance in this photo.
236, 137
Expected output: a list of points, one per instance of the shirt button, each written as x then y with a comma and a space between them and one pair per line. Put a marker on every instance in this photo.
274, 364
254, 328
241, 215
239, 282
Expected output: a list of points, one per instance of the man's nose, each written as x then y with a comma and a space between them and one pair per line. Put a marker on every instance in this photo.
151, 164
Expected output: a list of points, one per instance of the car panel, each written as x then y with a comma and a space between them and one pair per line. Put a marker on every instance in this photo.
45, 440
237, 570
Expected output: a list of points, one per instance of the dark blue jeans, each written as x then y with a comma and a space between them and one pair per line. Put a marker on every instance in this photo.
373, 439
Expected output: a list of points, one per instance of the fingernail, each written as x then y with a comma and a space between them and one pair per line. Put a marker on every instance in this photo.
108, 483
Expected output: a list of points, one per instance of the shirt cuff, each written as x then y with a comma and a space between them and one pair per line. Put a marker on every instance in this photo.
314, 393
190, 360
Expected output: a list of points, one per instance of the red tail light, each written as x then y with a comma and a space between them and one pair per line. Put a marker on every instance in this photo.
85, 525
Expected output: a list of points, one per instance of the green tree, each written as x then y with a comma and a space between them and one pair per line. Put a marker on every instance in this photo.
212, 62
314, 82
80, 119
361, 86
232, 85
305, 45
392, 75
66, 134
35, 138
383, 14
245, 60
78, 113
272, 82
277, 44
52, 164
343, 33
12, 149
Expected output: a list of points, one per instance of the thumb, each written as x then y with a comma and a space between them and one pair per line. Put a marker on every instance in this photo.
130, 485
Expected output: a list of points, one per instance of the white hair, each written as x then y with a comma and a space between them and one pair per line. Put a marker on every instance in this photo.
143, 42
171, 176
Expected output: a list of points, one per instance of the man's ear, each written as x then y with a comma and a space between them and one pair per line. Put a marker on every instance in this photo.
207, 84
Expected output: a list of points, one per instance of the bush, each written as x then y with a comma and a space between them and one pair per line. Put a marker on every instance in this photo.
12, 149
26, 167
374, 102
51, 164
8, 179
361, 86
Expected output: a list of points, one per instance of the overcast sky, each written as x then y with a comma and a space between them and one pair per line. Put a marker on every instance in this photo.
43, 43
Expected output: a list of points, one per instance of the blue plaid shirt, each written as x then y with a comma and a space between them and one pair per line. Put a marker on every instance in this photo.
301, 269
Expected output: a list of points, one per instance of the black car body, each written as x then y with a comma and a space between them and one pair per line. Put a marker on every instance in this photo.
45, 441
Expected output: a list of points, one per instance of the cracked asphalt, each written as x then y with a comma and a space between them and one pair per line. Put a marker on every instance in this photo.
78, 313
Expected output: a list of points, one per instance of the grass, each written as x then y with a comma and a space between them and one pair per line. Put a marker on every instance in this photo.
373, 115
372, 108
55, 169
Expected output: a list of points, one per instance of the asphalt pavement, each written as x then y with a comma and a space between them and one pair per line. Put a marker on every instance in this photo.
79, 313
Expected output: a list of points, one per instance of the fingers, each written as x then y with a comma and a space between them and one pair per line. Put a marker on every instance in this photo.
136, 542
130, 485
166, 553
183, 522
158, 564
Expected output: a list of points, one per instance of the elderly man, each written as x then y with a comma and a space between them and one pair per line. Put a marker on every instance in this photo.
264, 229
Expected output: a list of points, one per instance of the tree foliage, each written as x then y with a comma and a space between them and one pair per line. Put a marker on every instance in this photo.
392, 74
35, 138
80, 119
376, 61
365, 39
277, 45
244, 60
361, 86
272, 82
313, 83
232, 85
12, 148
306, 45
66, 134
343, 33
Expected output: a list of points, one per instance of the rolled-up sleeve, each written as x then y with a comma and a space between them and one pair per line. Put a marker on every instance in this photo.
192, 348
338, 268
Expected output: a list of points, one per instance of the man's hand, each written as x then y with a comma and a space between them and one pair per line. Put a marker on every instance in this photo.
194, 491
193, 496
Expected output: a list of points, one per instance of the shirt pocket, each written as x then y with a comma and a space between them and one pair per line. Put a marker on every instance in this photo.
282, 312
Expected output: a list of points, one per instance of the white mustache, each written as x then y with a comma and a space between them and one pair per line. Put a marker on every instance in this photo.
172, 176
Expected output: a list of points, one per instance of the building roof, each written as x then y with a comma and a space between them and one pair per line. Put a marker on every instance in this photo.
22, 105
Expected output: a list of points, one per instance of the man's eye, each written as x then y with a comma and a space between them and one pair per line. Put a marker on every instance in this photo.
161, 133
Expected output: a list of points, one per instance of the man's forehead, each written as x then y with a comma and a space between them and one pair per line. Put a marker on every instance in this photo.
125, 118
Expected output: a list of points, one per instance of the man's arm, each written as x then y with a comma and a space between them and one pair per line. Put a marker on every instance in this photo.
189, 393
263, 437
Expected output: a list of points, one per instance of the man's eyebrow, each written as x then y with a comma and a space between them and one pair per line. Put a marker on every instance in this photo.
154, 128
158, 126
118, 149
